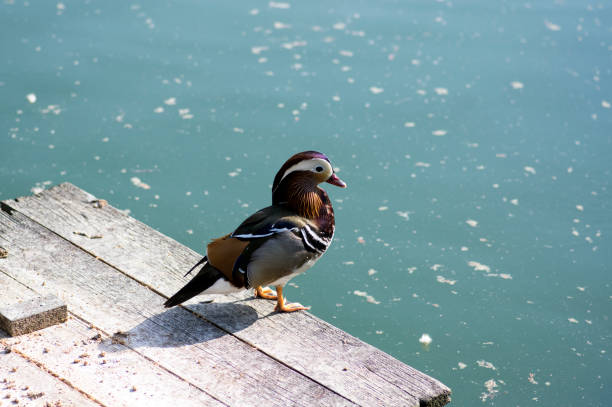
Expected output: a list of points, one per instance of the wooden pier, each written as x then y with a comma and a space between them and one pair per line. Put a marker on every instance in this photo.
120, 347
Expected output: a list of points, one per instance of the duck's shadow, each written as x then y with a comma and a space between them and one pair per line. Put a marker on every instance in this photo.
179, 326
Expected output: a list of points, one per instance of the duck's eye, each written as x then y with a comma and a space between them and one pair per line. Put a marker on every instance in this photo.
319, 169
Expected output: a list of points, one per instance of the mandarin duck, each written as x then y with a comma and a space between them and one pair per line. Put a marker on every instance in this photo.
276, 243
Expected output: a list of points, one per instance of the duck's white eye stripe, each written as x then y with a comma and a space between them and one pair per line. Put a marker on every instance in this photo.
309, 165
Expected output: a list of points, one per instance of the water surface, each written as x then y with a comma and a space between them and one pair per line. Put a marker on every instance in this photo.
475, 138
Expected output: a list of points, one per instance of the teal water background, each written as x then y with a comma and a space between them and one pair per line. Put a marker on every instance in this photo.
475, 137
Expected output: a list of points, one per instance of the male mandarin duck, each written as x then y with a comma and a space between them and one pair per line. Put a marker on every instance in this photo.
276, 243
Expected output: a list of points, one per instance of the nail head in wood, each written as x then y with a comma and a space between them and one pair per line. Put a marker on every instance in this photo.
31, 315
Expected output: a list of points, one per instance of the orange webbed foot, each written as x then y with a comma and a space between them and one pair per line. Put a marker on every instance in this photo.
266, 293
282, 306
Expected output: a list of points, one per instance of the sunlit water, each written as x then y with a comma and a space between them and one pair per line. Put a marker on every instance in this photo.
475, 138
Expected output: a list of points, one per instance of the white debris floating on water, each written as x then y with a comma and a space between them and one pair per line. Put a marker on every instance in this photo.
504, 276
443, 280
55, 109
552, 26
185, 114
376, 90
485, 364
281, 26
529, 169
472, 222
439, 133
274, 4
517, 85
31, 97
40, 186
138, 183
425, 339
491, 386
403, 214
479, 267
259, 49
368, 298
483, 267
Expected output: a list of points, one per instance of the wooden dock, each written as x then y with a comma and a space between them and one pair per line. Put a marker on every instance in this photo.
120, 347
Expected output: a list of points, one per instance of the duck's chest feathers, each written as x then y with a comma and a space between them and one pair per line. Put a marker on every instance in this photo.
285, 279
314, 205
278, 260
315, 240
298, 193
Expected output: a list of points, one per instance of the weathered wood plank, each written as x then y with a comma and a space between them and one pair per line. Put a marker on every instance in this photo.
32, 315
22, 383
176, 339
96, 366
318, 350
109, 372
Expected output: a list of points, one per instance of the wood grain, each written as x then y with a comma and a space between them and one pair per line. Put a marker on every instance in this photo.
32, 315
22, 383
312, 347
76, 359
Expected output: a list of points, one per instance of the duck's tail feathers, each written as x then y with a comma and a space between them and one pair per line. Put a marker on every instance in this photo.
203, 260
205, 278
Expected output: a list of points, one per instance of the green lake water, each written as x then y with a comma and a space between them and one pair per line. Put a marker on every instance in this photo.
475, 137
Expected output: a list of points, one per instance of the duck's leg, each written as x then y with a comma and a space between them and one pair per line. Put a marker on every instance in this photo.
266, 293
281, 306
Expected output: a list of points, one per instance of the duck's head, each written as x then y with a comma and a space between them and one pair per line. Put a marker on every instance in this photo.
304, 171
